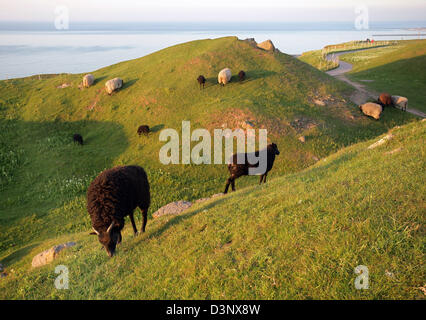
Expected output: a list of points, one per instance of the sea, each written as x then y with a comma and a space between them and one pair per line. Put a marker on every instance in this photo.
38, 48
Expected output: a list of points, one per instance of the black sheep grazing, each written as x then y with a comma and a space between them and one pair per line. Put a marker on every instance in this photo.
237, 170
201, 81
143, 130
113, 195
78, 138
242, 75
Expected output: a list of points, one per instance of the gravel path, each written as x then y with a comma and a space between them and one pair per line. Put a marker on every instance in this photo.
361, 94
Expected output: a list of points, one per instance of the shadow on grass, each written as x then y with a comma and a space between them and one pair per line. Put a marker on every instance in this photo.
178, 219
400, 77
157, 128
128, 84
18, 255
98, 80
250, 76
49, 170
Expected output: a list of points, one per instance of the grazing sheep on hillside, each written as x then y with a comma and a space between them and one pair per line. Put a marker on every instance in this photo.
224, 76
113, 195
242, 75
371, 109
201, 81
237, 170
88, 80
113, 85
78, 138
401, 102
143, 130
385, 100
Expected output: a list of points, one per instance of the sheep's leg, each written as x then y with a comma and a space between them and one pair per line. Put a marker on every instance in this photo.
145, 218
264, 179
228, 182
261, 178
133, 223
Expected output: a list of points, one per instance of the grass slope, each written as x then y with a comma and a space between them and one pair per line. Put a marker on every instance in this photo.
44, 176
318, 58
397, 70
297, 237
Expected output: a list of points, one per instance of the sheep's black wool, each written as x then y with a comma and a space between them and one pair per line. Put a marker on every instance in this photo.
385, 100
237, 170
78, 138
113, 195
143, 130
242, 75
201, 81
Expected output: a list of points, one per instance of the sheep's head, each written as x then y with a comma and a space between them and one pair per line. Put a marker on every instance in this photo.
109, 238
274, 148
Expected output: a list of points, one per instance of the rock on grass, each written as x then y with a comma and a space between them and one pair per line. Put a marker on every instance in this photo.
49, 255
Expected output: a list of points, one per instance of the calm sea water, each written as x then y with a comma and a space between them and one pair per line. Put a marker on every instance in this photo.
28, 49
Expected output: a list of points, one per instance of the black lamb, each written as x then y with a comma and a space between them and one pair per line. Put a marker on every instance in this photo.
242, 75
201, 81
113, 195
237, 170
143, 130
78, 138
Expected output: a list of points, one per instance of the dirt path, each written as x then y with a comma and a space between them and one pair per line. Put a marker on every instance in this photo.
361, 93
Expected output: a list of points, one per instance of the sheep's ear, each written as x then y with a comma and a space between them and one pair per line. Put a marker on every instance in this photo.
92, 233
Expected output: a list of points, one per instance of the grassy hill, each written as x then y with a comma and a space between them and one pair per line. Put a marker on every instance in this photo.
297, 237
318, 58
395, 69
44, 176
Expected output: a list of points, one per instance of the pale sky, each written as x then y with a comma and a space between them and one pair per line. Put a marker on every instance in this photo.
212, 10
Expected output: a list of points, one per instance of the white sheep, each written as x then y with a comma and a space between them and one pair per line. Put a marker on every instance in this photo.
113, 84
371, 109
88, 80
401, 102
224, 76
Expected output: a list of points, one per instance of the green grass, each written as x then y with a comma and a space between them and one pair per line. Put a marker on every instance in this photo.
397, 70
296, 237
318, 58
44, 175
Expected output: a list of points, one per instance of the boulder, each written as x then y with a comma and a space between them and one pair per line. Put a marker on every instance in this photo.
217, 195
372, 109
172, 208
266, 45
319, 103
381, 141
49, 255
208, 198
